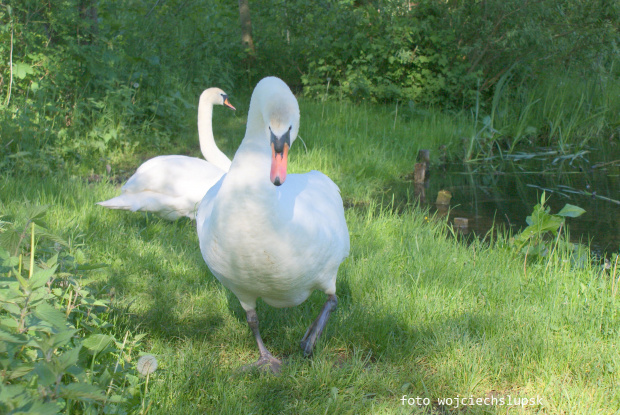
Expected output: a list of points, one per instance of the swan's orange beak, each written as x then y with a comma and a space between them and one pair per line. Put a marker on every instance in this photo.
278, 165
228, 104
279, 157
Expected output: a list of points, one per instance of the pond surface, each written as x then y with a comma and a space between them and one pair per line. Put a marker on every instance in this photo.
503, 192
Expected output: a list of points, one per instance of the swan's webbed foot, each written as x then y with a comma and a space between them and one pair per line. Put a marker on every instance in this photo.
315, 330
264, 363
266, 359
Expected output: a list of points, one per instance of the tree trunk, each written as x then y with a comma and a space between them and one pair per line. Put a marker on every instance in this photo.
88, 14
246, 26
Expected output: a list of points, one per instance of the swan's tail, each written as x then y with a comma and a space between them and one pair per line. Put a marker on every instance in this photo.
119, 202
166, 207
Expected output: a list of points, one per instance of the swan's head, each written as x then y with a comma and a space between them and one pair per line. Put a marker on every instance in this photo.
279, 112
215, 96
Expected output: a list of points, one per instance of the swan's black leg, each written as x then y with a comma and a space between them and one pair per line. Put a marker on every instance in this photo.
315, 330
266, 359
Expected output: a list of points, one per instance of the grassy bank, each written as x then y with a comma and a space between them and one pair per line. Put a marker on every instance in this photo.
420, 313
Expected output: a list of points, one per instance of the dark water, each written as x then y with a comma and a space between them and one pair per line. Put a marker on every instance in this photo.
503, 192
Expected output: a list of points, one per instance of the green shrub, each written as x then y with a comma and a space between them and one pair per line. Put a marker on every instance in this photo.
83, 81
543, 234
58, 352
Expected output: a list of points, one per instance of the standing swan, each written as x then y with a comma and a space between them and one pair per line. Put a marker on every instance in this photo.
172, 186
265, 234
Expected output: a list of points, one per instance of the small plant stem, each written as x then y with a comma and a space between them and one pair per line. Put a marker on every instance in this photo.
120, 356
31, 252
326, 89
8, 95
21, 238
557, 240
69, 303
525, 263
395, 117
146, 390
613, 277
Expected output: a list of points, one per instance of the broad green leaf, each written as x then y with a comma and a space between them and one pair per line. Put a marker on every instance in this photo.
69, 358
548, 223
41, 277
34, 212
82, 392
116, 399
48, 408
25, 284
21, 370
12, 308
42, 232
21, 70
105, 377
52, 261
97, 342
11, 338
8, 322
50, 315
44, 373
571, 211
63, 337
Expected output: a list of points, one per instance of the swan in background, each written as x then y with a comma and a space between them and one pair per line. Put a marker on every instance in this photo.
265, 234
172, 186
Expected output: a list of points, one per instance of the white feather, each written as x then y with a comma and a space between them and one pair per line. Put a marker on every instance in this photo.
173, 186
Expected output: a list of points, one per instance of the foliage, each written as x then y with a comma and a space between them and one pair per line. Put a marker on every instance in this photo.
557, 110
58, 353
83, 81
434, 52
88, 80
534, 241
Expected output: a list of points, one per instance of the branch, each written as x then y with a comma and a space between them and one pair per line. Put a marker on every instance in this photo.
152, 8
8, 96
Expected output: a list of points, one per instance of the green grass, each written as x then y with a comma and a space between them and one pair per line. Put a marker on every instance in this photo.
563, 111
420, 313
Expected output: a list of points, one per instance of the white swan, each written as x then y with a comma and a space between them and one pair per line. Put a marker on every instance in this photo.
265, 234
172, 186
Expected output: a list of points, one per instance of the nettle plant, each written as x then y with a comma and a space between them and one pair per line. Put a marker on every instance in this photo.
57, 352
542, 236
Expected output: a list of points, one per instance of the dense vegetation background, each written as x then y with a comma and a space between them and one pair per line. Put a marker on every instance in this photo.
83, 79
89, 89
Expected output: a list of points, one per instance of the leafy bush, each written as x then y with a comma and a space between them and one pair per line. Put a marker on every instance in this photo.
387, 53
87, 80
82, 80
58, 352
542, 235
436, 52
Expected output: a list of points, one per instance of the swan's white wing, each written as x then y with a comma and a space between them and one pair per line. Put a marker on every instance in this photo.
171, 186
313, 203
172, 175
206, 205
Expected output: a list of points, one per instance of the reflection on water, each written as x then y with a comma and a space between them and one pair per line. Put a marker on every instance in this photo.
504, 192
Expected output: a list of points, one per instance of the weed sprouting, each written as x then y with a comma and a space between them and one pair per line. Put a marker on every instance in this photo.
533, 241
57, 349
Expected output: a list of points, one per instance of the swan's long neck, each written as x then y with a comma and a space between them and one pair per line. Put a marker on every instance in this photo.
209, 149
250, 168
249, 172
